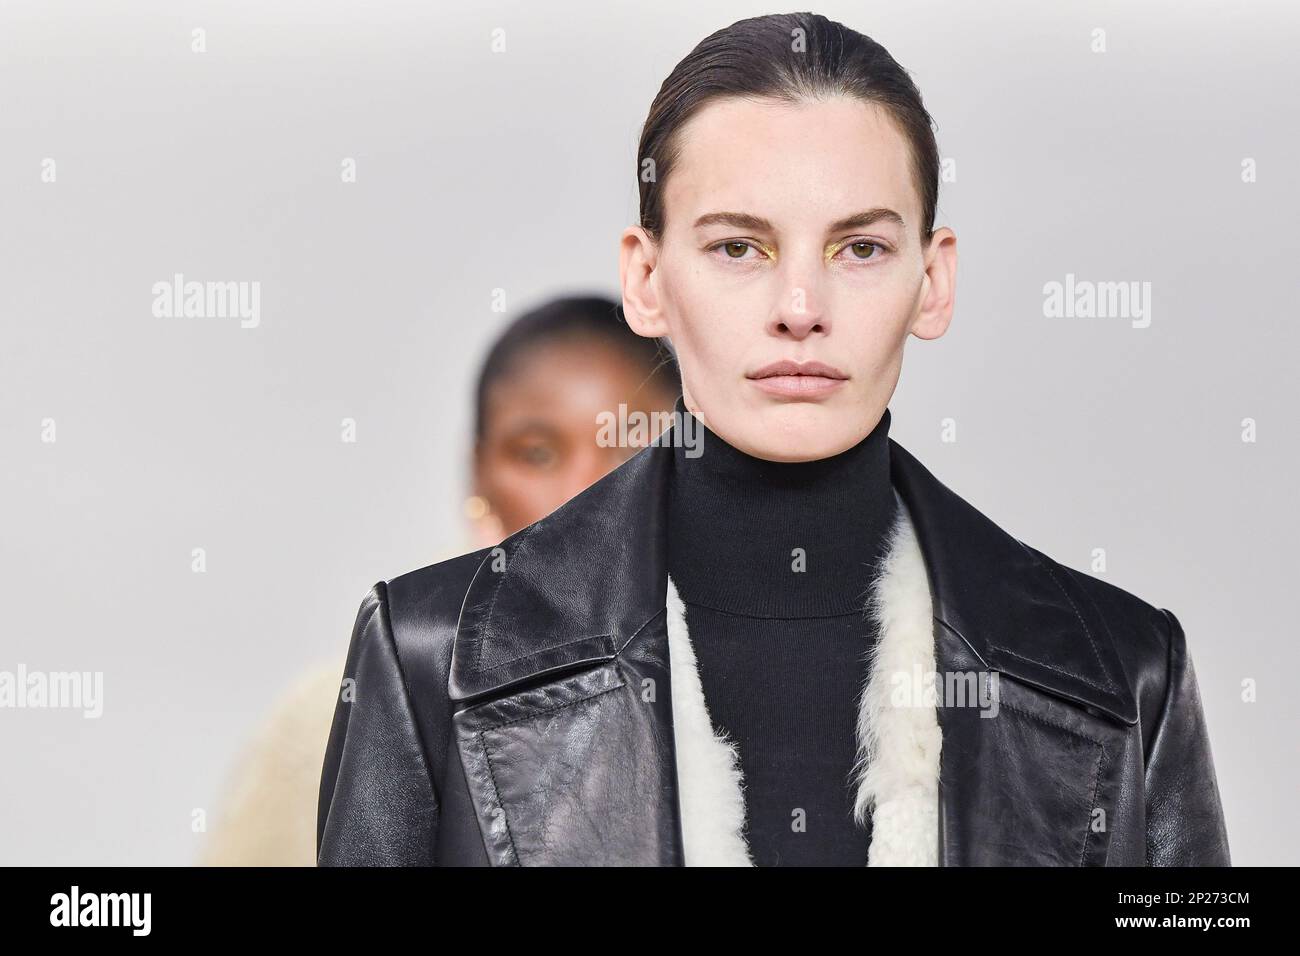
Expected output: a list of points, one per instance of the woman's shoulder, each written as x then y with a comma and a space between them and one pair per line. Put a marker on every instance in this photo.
1145, 635
402, 644
430, 590
420, 610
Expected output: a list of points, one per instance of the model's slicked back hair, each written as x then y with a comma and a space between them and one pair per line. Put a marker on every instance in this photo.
788, 57
583, 321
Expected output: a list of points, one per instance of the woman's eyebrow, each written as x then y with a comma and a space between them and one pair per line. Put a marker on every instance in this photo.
524, 427
868, 218
739, 220
744, 220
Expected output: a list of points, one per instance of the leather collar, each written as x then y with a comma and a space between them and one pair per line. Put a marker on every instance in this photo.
572, 589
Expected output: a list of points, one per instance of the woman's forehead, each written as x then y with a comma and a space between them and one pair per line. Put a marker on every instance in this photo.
793, 164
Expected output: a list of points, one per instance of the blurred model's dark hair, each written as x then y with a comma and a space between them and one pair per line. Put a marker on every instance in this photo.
786, 57
583, 321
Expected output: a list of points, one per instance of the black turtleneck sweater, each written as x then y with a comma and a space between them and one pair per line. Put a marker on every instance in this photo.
774, 562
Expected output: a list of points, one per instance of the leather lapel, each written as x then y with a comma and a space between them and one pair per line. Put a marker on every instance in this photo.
1017, 614
1029, 776
571, 589
560, 667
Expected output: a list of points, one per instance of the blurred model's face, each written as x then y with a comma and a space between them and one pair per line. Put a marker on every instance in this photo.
539, 447
792, 235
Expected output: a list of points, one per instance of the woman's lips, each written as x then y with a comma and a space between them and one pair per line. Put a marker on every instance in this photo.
798, 380
798, 386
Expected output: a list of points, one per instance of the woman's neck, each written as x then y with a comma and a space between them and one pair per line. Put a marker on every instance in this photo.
779, 539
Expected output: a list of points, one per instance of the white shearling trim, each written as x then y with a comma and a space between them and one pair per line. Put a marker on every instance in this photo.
709, 781
899, 739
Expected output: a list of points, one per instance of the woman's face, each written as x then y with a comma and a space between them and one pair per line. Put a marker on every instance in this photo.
540, 443
792, 235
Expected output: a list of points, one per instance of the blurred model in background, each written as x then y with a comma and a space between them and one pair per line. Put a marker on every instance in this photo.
541, 389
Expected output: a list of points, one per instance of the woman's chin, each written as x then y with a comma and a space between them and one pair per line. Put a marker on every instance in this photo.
793, 431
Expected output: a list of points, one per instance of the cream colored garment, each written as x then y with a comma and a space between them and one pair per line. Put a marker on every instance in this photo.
269, 815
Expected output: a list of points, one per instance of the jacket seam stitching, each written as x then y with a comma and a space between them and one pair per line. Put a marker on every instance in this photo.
496, 793
1096, 789
637, 633
1058, 670
531, 715
553, 647
486, 632
1096, 653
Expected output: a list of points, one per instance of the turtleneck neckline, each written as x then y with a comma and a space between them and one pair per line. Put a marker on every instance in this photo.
778, 539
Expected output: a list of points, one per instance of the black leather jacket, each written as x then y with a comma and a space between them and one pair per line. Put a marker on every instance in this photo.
494, 711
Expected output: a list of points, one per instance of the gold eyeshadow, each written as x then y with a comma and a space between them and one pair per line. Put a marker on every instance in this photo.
857, 240
835, 247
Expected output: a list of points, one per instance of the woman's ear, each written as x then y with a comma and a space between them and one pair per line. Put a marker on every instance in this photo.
637, 257
939, 287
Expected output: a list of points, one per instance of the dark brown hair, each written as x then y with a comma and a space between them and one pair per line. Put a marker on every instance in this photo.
786, 57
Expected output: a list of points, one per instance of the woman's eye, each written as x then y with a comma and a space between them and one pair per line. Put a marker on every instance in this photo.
866, 249
736, 249
538, 456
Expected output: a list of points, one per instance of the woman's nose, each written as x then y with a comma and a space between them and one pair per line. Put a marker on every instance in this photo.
799, 313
